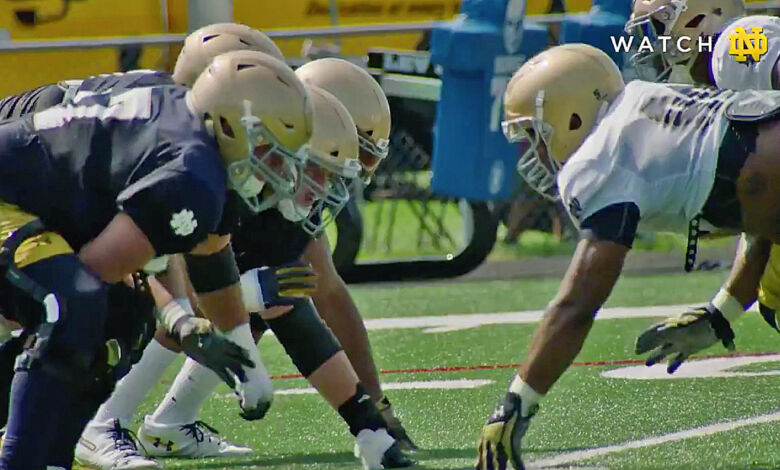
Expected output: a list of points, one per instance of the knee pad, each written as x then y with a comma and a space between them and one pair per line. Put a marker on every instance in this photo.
305, 337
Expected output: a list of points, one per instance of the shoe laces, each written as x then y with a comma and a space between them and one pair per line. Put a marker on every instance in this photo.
124, 439
200, 431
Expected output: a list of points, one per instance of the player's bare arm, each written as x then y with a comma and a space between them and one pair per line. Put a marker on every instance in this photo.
593, 271
120, 249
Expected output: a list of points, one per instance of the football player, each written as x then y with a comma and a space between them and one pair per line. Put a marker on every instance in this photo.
678, 61
312, 347
106, 442
128, 176
201, 45
616, 155
755, 271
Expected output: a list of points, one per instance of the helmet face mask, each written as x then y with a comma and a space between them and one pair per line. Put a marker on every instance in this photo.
675, 19
372, 152
269, 160
331, 160
655, 65
536, 166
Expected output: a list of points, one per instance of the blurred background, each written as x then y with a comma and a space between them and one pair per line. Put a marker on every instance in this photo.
447, 201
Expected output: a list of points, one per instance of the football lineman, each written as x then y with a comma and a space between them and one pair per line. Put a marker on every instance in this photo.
290, 240
128, 176
679, 60
333, 151
664, 155
755, 271
107, 443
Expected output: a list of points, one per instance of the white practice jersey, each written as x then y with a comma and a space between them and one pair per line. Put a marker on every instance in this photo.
657, 147
749, 75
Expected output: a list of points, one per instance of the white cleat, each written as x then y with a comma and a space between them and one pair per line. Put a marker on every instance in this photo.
370, 447
194, 440
109, 446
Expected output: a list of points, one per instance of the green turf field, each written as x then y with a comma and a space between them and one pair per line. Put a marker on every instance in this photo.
585, 411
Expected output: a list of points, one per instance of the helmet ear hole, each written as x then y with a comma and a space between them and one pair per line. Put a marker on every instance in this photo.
226, 128
695, 21
575, 122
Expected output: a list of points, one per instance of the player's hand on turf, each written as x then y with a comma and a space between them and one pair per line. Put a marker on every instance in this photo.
499, 443
680, 336
200, 341
285, 284
394, 426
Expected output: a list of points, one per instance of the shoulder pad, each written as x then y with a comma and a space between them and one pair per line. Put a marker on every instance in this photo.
754, 106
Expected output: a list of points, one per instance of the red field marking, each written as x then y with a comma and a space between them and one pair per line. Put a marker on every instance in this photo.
622, 362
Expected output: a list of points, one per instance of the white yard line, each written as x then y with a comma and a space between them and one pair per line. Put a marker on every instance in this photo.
445, 323
580, 455
455, 384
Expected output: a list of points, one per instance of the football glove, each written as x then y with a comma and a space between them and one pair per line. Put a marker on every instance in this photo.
283, 285
502, 435
200, 341
683, 335
394, 426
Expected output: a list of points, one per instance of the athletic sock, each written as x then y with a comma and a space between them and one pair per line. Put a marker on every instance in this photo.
133, 388
193, 385
258, 384
529, 397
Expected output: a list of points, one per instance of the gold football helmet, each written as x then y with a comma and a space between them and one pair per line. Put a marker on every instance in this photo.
204, 44
331, 163
551, 104
364, 99
261, 117
676, 19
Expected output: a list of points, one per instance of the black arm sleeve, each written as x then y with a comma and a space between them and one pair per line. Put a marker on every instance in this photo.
209, 273
616, 223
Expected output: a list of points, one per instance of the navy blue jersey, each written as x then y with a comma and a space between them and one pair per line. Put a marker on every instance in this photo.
30, 101
268, 239
143, 152
46, 96
117, 83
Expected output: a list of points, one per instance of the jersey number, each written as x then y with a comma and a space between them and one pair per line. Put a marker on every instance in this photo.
696, 107
132, 104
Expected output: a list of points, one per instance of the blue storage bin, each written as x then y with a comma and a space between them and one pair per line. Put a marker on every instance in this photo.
477, 53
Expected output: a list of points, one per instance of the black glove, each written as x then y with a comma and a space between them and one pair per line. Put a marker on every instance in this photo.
200, 341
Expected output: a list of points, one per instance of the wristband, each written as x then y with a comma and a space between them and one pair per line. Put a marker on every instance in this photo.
175, 310
729, 306
251, 292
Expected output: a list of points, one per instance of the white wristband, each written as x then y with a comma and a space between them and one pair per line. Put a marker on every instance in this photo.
729, 306
251, 292
174, 311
